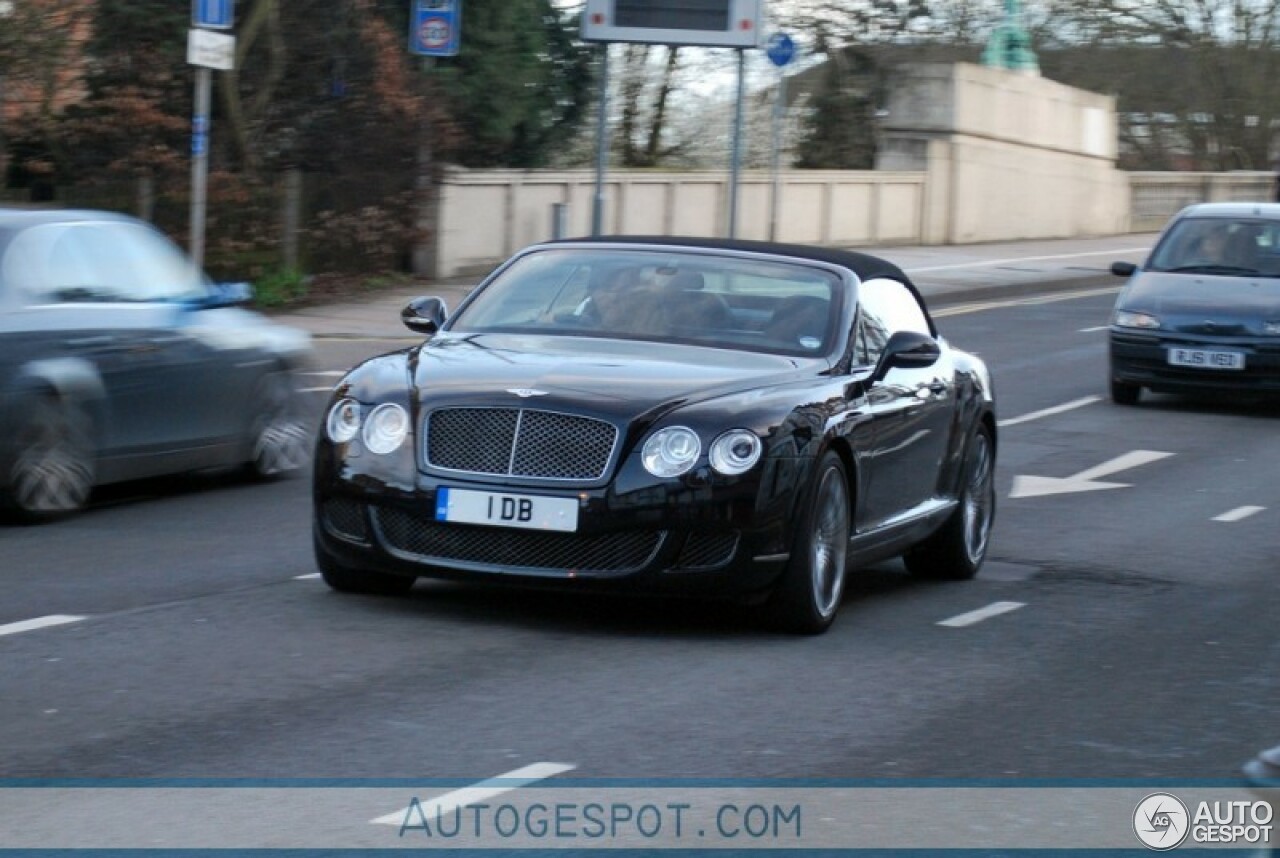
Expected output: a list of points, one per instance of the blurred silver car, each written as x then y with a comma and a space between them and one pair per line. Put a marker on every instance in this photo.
120, 360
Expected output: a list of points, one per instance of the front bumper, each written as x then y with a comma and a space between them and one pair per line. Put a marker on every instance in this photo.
1142, 359
695, 535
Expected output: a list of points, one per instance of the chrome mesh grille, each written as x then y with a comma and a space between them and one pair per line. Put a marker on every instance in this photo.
705, 550
519, 443
427, 540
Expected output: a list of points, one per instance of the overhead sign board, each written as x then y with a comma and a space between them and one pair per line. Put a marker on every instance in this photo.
213, 14
435, 28
211, 50
705, 23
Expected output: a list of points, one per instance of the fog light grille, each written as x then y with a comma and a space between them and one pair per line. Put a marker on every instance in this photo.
345, 518
707, 550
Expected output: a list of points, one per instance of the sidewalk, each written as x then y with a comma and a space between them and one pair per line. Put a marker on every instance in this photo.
945, 275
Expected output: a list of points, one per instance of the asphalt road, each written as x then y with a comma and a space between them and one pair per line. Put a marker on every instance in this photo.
1134, 634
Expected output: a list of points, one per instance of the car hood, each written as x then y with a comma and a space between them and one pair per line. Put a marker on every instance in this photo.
1205, 303
616, 377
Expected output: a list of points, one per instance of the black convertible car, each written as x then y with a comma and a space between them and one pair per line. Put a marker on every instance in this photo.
120, 360
699, 416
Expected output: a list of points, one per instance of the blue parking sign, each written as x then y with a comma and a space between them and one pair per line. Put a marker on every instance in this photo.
435, 28
213, 14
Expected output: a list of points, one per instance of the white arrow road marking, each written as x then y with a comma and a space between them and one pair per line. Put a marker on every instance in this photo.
995, 609
491, 788
1049, 412
38, 623
1239, 513
1085, 481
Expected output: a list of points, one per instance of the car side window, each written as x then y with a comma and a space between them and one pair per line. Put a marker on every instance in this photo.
894, 305
870, 337
884, 308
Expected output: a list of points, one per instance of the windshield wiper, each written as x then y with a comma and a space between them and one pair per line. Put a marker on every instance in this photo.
1213, 268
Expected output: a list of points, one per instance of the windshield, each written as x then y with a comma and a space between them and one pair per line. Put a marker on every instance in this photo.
661, 296
1241, 247
106, 261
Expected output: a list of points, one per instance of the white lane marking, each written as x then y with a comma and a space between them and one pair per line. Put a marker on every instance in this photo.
331, 373
308, 577
481, 791
1049, 412
995, 609
1025, 486
1239, 513
1095, 329
316, 390
38, 623
989, 262
1051, 298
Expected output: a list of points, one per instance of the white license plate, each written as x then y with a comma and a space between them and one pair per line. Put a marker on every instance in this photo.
503, 510
1206, 358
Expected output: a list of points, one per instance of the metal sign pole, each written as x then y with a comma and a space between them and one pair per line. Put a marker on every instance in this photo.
737, 145
200, 163
778, 107
602, 145
780, 50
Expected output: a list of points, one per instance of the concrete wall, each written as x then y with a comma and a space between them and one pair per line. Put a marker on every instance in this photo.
1008, 155
486, 215
968, 154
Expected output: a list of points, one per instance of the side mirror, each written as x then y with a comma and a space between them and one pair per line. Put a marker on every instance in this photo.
1123, 269
907, 350
424, 315
228, 295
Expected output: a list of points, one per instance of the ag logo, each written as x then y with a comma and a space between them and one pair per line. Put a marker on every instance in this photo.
1161, 822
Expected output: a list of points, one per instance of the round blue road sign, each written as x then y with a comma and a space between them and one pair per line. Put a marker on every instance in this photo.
781, 49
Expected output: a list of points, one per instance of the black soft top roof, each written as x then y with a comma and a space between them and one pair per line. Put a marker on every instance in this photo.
864, 265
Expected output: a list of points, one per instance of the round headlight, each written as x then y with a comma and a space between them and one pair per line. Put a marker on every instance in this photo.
344, 421
386, 428
671, 451
735, 452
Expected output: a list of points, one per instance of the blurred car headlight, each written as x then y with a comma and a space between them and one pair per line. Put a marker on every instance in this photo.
1271, 329
735, 452
343, 421
671, 451
386, 428
1130, 319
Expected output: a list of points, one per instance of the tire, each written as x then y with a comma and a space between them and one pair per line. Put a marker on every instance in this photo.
279, 442
807, 597
52, 471
955, 552
1125, 394
345, 579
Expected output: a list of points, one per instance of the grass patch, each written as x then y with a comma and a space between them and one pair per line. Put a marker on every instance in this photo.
280, 287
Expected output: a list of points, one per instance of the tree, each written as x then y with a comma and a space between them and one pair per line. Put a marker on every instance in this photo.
839, 129
520, 84
41, 73
1224, 55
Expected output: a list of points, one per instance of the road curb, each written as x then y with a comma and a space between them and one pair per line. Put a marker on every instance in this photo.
964, 295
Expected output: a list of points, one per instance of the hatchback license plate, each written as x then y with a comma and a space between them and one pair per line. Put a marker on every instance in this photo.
1206, 358
532, 512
